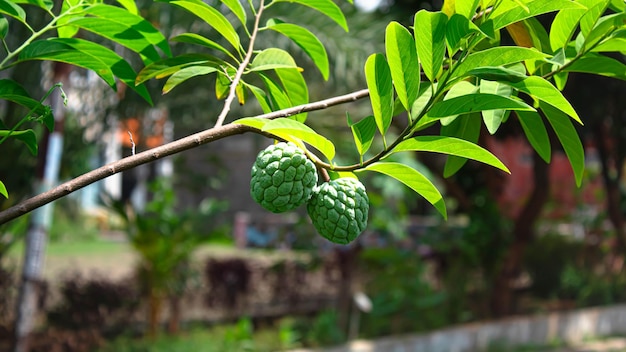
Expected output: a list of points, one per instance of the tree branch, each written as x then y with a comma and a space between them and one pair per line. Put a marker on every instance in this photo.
242, 67
168, 149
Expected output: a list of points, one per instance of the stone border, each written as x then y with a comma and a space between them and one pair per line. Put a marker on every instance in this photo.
568, 327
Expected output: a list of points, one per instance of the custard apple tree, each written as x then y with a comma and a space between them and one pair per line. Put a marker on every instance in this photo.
448, 70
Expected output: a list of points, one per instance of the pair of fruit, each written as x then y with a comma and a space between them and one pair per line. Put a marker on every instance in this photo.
283, 178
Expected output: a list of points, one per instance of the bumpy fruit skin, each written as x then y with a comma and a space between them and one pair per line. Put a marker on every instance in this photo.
282, 177
339, 209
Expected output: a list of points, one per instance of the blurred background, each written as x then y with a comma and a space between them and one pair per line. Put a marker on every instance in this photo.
176, 256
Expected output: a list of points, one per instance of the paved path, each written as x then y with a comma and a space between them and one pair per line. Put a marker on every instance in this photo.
616, 344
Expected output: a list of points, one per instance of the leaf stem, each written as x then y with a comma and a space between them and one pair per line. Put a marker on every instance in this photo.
30, 113
233, 85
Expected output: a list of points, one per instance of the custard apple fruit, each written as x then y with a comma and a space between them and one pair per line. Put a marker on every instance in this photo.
339, 209
282, 177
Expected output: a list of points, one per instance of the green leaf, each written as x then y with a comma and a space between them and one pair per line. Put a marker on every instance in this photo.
567, 135
536, 133
543, 90
612, 44
261, 97
538, 34
503, 16
272, 58
457, 90
10, 8
563, 26
44, 4
618, 5
254, 122
125, 28
213, 18
276, 94
606, 27
402, 56
327, 7
111, 30
3, 190
457, 29
4, 28
295, 87
78, 52
493, 118
499, 56
241, 93
236, 7
378, 77
414, 180
467, 8
294, 131
426, 93
474, 103
27, 137
12, 91
193, 38
599, 65
306, 40
185, 74
222, 85
169, 66
129, 5
363, 133
430, 41
497, 74
450, 146
595, 8
467, 128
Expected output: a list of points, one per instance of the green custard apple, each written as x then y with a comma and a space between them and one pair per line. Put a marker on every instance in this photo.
282, 177
339, 209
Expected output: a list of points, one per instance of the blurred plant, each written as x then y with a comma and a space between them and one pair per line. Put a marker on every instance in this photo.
549, 261
10, 234
165, 239
322, 330
468, 256
396, 282
590, 288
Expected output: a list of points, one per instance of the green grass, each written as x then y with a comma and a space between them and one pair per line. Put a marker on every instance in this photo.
77, 248
225, 338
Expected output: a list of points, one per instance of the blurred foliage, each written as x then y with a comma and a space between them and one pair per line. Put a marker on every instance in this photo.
546, 261
395, 281
565, 269
71, 223
240, 336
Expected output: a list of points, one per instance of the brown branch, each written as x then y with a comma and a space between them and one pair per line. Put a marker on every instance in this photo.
153, 154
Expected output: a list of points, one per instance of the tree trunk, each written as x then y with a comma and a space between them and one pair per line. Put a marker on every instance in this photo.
610, 165
173, 325
37, 234
523, 234
155, 303
346, 259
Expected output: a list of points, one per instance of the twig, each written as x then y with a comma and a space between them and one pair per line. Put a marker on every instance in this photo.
132, 142
168, 149
242, 67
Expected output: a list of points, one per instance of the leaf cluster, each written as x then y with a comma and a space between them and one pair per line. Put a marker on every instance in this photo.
449, 69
